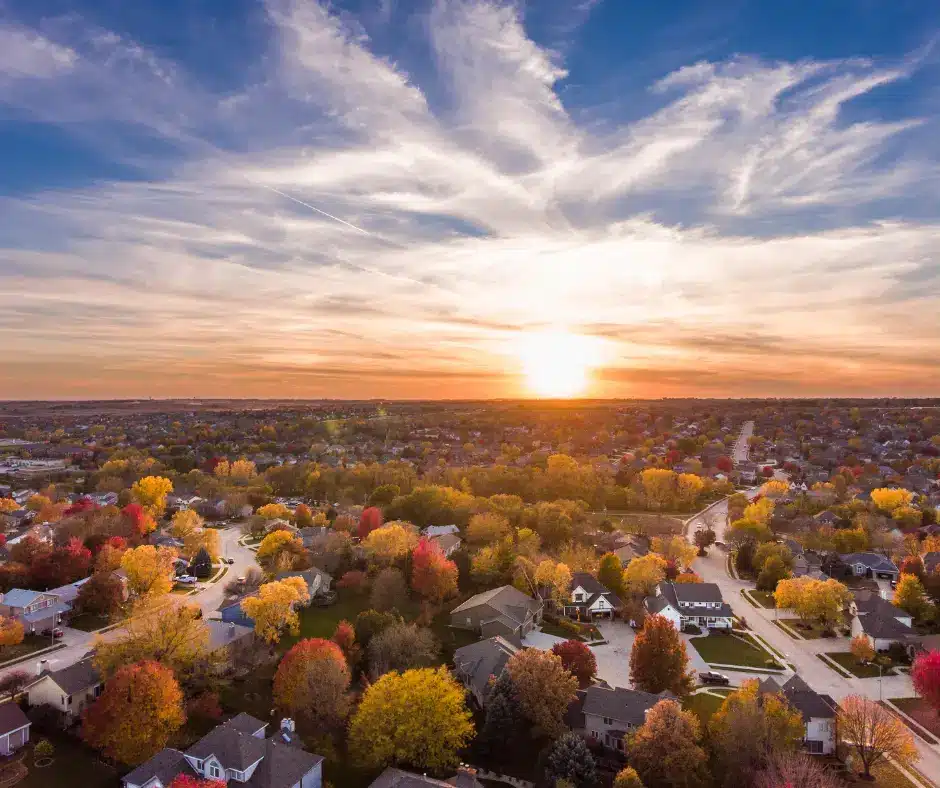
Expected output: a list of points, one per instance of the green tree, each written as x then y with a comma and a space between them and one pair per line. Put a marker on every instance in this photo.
570, 759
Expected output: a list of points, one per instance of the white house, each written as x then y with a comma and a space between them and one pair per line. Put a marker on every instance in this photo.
700, 604
880, 621
14, 728
589, 598
69, 690
819, 713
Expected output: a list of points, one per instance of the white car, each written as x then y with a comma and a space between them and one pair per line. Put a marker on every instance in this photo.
188, 580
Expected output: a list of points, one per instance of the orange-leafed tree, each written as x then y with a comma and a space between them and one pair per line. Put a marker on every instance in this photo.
140, 708
188, 781
433, 576
312, 683
11, 632
345, 638
659, 662
875, 734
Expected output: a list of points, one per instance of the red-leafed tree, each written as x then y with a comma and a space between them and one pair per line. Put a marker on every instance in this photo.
433, 576
724, 464
673, 456
925, 674
65, 564
767, 471
188, 781
137, 520
80, 506
3, 540
345, 638
578, 659
312, 682
369, 520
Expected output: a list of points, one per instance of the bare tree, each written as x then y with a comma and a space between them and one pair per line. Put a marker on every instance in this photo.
875, 733
796, 769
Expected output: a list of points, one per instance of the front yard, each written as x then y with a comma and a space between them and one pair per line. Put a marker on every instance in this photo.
72, 764
88, 622
763, 598
704, 705
808, 631
741, 650
920, 712
848, 662
30, 644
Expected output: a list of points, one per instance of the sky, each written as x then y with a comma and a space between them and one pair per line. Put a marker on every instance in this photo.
402, 198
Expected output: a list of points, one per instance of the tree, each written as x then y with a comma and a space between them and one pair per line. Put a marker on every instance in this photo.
658, 661
303, 517
578, 660
724, 464
151, 492
643, 574
11, 631
503, 715
774, 489
556, 578
240, 471
279, 550
704, 538
8, 505
487, 528
345, 637
137, 519
150, 570
432, 575
370, 622
862, 649
665, 750
570, 759
312, 683
769, 550
675, 549
687, 577
493, 562
743, 531
773, 572
201, 565
750, 726
689, 487
911, 597
274, 608
416, 719
925, 674
15, 682
101, 595
207, 540
140, 707
610, 573
760, 511
173, 635
369, 521
188, 781
544, 687
389, 590
659, 487
887, 499
628, 778
796, 770
273, 511
813, 600
389, 543
184, 522
875, 734
401, 647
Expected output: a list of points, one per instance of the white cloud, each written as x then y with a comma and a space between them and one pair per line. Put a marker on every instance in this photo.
24, 53
728, 228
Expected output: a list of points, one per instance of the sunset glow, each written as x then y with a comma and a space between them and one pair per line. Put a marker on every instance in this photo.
557, 364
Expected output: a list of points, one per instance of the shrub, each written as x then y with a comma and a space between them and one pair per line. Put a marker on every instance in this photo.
43, 749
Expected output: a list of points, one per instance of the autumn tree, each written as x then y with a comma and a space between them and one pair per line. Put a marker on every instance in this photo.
578, 660
628, 778
821, 601
151, 492
390, 543
911, 597
14, 682
704, 538
487, 528
748, 728
279, 551
643, 574
274, 609
689, 487
862, 649
774, 489
207, 539
675, 549
150, 570
659, 487
666, 750
176, 636
369, 521
493, 563
417, 719
137, 519
887, 499
610, 573
925, 674
402, 647
433, 576
875, 734
555, 578
138, 711
11, 631
544, 687
303, 517
389, 590
344, 636
184, 522
570, 759
240, 471
773, 571
796, 770
312, 683
102, 594
658, 661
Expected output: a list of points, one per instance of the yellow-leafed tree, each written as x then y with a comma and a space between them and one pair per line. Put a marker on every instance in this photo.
675, 548
151, 492
643, 574
888, 498
392, 541
875, 734
205, 537
274, 609
278, 551
185, 522
149, 570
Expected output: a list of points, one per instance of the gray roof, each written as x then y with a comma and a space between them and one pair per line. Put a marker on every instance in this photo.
11, 717
623, 705
479, 661
21, 597
875, 562
807, 701
931, 560
245, 723
165, 765
75, 678
396, 778
222, 633
884, 627
283, 766
588, 582
439, 530
309, 575
509, 601
695, 592
867, 601
57, 608
234, 748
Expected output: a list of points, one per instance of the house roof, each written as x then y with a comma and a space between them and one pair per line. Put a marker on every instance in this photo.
283, 765
245, 723
222, 633
12, 718
44, 612
309, 575
868, 601
75, 678
165, 765
21, 597
875, 562
588, 582
931, 560
439, 530
446, 541
479, 661
234, 748
690, 593
396, 778
509, 601
807, 701
623, 705
884, 627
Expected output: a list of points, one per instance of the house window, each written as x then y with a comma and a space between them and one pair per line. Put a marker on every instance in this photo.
608, 721
814, 746
214, 770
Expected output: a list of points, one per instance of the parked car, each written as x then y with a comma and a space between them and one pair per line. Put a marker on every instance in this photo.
188, 580
228, 561
58, 633
710, 677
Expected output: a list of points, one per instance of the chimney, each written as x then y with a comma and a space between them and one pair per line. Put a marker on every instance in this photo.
466, 777
231, 629
41, 666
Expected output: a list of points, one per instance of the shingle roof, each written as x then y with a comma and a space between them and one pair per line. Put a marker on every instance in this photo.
165, 765
478, 661
880, 626
245, 723
875, 562
283, 765
233, 748
867, 601
623, 705
510, 601
696, 592
222, 633
20, 597
807, 701
11, 717
588, 582
75, 678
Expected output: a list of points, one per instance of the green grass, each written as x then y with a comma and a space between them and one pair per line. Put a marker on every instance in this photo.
847, 662
30, 644
731, 650
72, 763
703, 705
763, 598
887, 776
812, 632
89, 622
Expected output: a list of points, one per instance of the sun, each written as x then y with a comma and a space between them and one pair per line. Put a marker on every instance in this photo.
557, 364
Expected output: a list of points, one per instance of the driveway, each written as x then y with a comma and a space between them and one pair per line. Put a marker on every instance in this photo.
613, 658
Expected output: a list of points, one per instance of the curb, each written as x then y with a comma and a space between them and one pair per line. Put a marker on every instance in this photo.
27, 657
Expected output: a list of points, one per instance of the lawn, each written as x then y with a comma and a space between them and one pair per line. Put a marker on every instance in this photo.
703, 705
920, 712
72, 764
887, 776
30, 644
808, 631
845, 660
732, 650
763, 598
89, 622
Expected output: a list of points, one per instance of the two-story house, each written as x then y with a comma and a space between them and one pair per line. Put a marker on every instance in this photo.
69, 690
477, 665
819, 713
236, 752
503, 611
607, 715
589, 598
396, 778
38, 611
700, 604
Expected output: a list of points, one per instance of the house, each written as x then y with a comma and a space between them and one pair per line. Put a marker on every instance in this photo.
396, 778
827, 517
69, 593
14, 728
700, 604
503, 611
229, 639
610, 714
68, 690
318, 581
590, 598
870, 565
818, 712
236, 752
931, 561
865, 602
883, 630
478, 664
38, 611
233, 613
449, 543
433, 531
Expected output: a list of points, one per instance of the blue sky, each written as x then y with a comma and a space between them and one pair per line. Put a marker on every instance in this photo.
381, 198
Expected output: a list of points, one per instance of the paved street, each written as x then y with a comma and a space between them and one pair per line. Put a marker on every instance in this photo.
740, 451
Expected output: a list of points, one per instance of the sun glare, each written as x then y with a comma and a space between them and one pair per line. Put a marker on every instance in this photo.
557, 363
